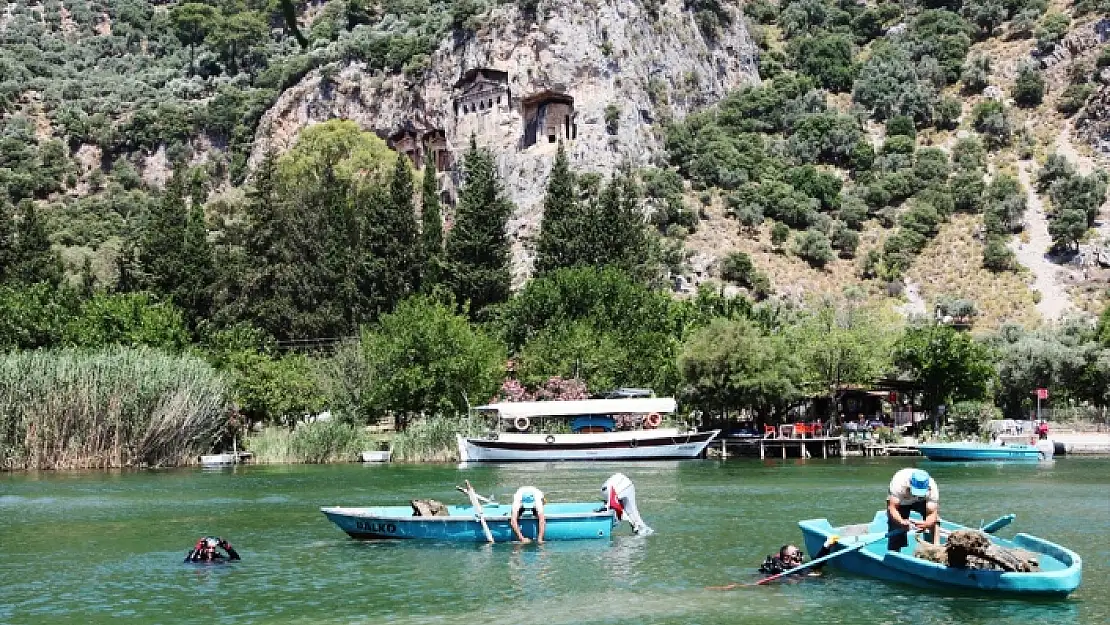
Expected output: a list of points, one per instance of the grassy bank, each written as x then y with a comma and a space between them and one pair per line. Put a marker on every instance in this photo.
310, 443
120, 407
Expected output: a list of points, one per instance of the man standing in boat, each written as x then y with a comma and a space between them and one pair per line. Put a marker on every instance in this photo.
912, 490
528, 498
619, 494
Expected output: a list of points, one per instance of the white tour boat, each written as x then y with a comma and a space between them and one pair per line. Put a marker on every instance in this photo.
600, 429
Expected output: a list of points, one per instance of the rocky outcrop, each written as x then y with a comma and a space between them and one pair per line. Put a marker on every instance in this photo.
583, 56
1093, 124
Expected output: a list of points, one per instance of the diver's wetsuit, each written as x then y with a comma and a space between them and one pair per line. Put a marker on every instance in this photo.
774, 565
205, 551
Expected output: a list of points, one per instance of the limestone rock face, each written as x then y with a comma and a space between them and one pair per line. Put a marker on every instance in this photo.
609, 56
1093, 124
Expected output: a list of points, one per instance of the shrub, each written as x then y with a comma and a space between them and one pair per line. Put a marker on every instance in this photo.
853, 212
968, 154
845, 240
1052, 29
967, 191
948, 113
827, 59
976, 74
900, 125
813, 246
1029, 86
780, 232
998, 257
738, 268
1073, 98
612, 118
991, 119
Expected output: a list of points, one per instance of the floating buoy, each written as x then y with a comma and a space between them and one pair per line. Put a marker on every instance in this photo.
653, 420
550, 439
522, 423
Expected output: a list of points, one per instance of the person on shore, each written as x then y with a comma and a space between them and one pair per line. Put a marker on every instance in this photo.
619, 494
789, 557
205, 551
912, 490
1042, 430
528, 498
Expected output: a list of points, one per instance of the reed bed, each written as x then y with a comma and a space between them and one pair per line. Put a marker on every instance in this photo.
120, 407
310, 443
431, 439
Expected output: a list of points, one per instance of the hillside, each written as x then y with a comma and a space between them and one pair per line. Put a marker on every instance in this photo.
902, 145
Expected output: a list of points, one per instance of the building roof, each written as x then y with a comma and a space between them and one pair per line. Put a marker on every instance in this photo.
512, 410
485, 72
547, 95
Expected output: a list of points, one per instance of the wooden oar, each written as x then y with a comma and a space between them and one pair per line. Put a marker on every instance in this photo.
480, 498
478, 510
825, 558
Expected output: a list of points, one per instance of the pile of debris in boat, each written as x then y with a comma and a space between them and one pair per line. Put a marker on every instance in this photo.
971, 549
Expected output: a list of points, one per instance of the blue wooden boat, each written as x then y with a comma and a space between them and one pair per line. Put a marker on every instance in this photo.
565, 521
963, 452
1060, 574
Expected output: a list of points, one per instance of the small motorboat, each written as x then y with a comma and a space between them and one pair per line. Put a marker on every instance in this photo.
965, 452
1060, 568
474, 523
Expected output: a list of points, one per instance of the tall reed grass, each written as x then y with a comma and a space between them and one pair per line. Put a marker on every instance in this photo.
120, 407
310, 443
431, 439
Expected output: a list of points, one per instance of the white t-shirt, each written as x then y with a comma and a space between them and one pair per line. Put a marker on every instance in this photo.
619, 483
900, 490
528, 497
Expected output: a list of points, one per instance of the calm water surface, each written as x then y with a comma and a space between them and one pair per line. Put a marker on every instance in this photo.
98, 547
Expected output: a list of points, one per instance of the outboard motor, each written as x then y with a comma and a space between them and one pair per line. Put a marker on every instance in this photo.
619, 494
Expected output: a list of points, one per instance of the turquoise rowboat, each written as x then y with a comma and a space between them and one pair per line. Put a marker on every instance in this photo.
963, 452
565, 521
1060, 574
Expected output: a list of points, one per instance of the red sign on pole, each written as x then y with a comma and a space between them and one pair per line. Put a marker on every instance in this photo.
1042, 393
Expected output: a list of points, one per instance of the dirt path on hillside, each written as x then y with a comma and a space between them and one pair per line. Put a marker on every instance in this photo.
1034, 254
915, 304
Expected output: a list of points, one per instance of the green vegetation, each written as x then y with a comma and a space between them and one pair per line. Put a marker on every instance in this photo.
115, 408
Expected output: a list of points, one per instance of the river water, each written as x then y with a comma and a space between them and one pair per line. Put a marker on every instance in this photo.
106, 547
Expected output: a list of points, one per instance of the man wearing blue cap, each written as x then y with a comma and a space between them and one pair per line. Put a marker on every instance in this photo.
912, 490
527, 498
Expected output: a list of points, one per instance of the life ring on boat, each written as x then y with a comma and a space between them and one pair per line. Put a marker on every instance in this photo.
653, 420
521, 423
550, 439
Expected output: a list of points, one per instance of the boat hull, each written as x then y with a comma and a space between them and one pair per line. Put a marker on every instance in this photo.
565, 521
1060, 575
964, 452
631, 445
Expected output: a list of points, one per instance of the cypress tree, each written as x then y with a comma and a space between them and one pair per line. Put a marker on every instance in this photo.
400, 250
7, 241
260, 285
161, 251
619, 237
478, 250
33, 260
194, 294
431, 228
561, 225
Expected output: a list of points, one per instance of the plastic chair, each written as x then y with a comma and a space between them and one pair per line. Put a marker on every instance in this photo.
769, 431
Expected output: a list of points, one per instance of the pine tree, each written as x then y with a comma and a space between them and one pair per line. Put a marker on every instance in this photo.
431, 228
561, 226
478, 248
33, 260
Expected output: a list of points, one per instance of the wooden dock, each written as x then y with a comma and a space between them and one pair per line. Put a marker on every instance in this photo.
816, 447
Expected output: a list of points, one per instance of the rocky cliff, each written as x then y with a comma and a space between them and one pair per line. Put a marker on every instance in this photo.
597, 74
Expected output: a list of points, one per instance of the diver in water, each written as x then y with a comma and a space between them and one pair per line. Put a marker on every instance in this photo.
205, 551
789, 557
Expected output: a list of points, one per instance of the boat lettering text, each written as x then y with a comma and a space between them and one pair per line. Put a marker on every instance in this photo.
376, 527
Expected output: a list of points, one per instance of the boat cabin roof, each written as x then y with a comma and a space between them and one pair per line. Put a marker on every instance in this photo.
512, 410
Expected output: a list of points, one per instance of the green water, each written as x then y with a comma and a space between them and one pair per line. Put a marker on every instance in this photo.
97, 547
